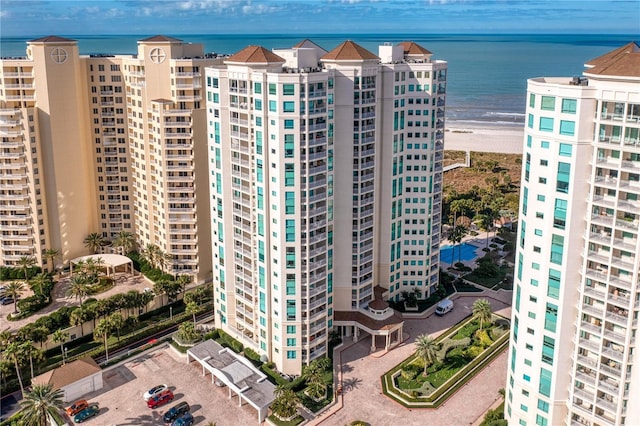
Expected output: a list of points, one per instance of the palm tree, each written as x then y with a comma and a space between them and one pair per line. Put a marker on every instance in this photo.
286, 402
426, 350
94, 242
316, 386
78, 288
192, 308
40, 404
102, 331
150, 253
38, 282
126, 241
32, 352
60, 336
50, 256
13, 351
183, 280
15, 289
458, 233
78, 317
482, 310
117, 322
25, 263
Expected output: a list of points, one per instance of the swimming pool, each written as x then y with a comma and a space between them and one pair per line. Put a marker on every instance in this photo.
449, 254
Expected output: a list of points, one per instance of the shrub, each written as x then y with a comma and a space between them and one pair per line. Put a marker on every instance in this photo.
213, 334
31, 304
482, 338
473, 351
252, 355
409, 372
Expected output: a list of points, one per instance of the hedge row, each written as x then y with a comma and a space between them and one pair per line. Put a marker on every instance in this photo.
8, 273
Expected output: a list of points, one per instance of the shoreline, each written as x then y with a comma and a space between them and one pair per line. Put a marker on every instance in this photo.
476, 136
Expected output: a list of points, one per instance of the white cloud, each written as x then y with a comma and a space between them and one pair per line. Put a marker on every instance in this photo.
4, 14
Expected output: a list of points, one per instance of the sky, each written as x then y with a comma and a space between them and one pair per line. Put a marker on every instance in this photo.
91, 17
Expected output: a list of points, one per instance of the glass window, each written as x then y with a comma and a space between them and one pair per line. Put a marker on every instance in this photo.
546, 124
567, 127
543, 406
291, 354
289, 175
550, 317
544, 144
560, 214
288, 89
272, 106
530, 121
569, 106
258, 105
562, 177
548, 103
289, 146
565, 150
272, 88
532, 100
288, 124
545, 382
557, 249
548, 345
289, 202
290, 225
288, 106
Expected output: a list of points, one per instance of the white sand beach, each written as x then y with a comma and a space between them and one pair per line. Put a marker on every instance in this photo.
490, 137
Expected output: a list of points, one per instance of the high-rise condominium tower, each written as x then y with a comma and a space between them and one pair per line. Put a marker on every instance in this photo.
573, 357
105, 144
326, 179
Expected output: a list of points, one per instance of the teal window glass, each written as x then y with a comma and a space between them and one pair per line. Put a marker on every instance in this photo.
290, 259
257, 88
548, 103
520, 264
541, 421
289, 202
530, 121
288, 106
527, 167
216, 98
257, 104
272, 88
543, 406
550, 318
259, 142
260, 224
289, 146
291, 354
515, 328
263, 302
291, 341
517, 298
291, 329
525, 200
562, 177
288, 124
565, 150
546, 124
544, 144
529, 141
560, 214
567, 128
291, 310
259, 171
523, 232
290, 226
545, 382
288, 89
540, 197
569, 106
289, 174
513, 358
260, 198
553, 289
532, 100
548, 346
215, 82
291, 285
557, 249
273, 106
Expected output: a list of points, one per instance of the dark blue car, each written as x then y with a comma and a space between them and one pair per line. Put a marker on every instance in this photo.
175, 412
185, 420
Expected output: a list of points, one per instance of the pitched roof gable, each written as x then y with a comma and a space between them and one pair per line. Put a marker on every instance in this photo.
623, 61
349, 51
413, 48
161, 38
50, 39
68, 373
255, 55
306, 43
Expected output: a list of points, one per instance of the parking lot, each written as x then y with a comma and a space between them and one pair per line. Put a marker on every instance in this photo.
121, 400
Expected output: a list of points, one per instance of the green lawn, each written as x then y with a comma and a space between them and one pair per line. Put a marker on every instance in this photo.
489, 282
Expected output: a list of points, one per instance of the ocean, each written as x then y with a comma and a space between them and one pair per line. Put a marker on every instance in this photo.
487, 75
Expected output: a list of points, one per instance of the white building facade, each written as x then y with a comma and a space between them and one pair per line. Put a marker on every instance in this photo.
572, 356
310, 153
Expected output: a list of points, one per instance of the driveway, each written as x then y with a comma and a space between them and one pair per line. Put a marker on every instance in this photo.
362, 390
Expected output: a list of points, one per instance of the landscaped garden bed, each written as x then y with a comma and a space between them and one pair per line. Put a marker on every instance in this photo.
452, 360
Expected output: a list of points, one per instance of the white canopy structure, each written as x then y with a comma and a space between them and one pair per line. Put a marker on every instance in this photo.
108, 261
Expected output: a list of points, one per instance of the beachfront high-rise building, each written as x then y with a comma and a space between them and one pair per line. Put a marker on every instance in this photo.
105, 143
573, 356
326, 179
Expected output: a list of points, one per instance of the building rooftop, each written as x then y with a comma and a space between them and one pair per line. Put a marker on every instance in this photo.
306, 43
413, 48
349, 51
160, 38
623, 62
68, 373
51, 39
372, 324
255, 55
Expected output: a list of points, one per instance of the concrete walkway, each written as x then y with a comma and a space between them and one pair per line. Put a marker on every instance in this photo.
359, 373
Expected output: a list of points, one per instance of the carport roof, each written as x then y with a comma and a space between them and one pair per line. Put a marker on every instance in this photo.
237, 372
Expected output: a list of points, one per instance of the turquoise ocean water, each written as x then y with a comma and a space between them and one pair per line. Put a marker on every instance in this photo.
487, 73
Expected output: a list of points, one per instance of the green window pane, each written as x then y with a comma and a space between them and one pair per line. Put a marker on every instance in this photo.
560, 214
546, 124
548, 346
567, 127
288, 106
562, 177
273, 106
553, 289
288, 89
545, 382
258, 105
565, 150
557, 249
550, 317
260, 224
290, 226
548, 103
288, 124
569, 106
532, 100
257, 88
272, 88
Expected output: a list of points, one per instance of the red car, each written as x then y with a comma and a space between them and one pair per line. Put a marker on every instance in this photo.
162, 398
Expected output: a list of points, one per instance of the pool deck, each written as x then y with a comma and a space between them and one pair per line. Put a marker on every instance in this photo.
479, 241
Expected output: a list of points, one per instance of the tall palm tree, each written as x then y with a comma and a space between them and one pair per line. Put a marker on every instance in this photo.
125, 241
31, 352
192, 308
116, 321
60, 336
94, 242
102, 331
79, 316
458, 233
38, 282
150, 253
13, 351
50, 256
40, 404
25, 263
482, 310
15, 289
426, 350
78, 287
183, 280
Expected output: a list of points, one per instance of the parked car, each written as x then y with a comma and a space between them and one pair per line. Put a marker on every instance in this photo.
154, 391
77, 407
8, 300
185, 420
90, 411
444, 306
162, 398
176, 411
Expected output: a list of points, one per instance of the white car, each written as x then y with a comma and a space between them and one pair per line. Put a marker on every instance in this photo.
154, 391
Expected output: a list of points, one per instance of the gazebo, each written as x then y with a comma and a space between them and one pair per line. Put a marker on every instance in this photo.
108, 261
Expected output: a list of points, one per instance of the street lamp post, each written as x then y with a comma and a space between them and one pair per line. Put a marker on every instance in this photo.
171, 312
64, 357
